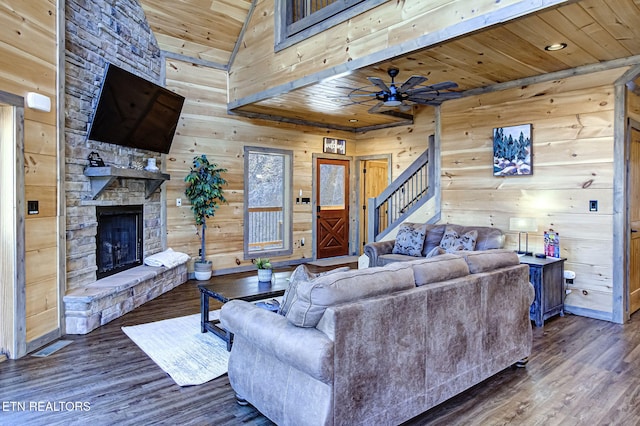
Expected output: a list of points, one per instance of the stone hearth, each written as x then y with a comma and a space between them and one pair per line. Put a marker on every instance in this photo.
96, 304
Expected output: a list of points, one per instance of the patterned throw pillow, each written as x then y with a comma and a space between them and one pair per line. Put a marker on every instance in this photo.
410, 239
301, 274
452, 242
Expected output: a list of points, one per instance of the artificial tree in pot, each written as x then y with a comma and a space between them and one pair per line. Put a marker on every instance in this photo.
204, 190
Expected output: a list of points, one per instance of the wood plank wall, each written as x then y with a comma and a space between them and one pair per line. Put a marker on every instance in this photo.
387, 25
572, 163
28, 63
206, 128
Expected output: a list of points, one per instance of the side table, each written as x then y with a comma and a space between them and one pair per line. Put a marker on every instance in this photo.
547, 277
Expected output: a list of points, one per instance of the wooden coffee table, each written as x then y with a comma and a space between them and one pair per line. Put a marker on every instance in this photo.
243, 286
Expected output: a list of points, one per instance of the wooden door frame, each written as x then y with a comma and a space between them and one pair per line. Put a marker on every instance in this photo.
631, 125
13, 326
314, 200
621, 240
358, 178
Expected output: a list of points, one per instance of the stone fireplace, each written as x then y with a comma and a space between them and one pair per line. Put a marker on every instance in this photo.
96, 33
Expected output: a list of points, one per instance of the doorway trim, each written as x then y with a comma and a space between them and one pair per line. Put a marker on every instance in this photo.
13, 326
314, 204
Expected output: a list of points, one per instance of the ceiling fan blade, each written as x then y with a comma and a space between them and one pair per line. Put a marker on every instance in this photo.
432, 102
375, 108
434, 95
411, 82
378, 82
445, 85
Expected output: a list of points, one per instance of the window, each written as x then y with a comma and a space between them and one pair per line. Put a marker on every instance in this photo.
297, 20
267, 198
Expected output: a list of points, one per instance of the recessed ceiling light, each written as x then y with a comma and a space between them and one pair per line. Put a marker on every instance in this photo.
353, 120
555, 46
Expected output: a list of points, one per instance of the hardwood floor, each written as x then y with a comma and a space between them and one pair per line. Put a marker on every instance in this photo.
582, 372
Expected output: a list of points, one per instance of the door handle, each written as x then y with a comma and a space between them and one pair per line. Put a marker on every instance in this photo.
634, 230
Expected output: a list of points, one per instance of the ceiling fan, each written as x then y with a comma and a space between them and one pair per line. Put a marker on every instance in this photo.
409, 93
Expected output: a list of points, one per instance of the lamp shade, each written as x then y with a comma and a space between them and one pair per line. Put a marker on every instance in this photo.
523, 224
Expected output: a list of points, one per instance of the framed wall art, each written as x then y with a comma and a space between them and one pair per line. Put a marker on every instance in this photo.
512, 151
334, 146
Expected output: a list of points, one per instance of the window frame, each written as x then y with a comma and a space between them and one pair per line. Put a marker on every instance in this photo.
287, 201
287, 34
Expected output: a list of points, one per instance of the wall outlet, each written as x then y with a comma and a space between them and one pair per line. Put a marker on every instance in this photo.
178, 202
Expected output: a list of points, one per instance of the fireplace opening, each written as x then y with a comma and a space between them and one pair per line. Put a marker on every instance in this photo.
119, 239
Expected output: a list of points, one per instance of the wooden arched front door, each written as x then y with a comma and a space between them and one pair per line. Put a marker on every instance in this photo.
332, 204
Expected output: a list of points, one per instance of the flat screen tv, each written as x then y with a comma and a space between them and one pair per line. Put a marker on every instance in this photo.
135, 112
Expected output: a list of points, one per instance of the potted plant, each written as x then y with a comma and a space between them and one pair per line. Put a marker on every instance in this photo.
265, 270
204, 190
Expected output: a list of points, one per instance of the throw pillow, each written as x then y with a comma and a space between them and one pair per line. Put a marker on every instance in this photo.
410, 239
299, 275
469, 240
452, 241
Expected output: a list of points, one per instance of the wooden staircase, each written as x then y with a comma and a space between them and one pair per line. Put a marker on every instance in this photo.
408, 193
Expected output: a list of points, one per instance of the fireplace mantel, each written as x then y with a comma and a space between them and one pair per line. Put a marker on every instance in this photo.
101, 177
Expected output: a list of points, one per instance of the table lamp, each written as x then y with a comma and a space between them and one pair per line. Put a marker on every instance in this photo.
523, 225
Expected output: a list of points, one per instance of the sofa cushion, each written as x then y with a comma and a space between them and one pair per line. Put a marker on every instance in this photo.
433, 238
488, 237
301, 274
452, 241
410, 239
484, 261
387, 259
437, 251
440, 268
313, 297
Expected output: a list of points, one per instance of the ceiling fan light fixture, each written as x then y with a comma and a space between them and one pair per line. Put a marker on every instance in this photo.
555, 47
392, 100
392, 103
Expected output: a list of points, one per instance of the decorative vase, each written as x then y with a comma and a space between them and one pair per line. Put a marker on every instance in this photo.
202, 270
264, 275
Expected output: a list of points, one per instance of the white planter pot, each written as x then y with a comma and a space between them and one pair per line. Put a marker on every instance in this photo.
264, 275
202, 271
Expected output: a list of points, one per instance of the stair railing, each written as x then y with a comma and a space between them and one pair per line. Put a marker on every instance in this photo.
412, 189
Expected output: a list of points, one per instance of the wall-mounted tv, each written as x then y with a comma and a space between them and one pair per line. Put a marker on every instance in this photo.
135, 112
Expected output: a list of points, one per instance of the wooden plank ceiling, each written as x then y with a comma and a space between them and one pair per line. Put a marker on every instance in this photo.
202, 29
595, 31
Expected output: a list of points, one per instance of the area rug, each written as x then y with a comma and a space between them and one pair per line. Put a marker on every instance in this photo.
181, 350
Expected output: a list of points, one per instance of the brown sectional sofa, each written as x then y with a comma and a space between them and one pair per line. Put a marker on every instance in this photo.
381, 345
380, 253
